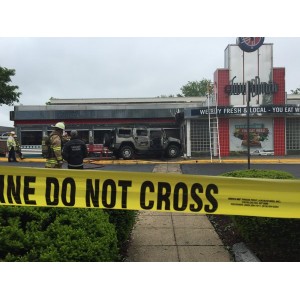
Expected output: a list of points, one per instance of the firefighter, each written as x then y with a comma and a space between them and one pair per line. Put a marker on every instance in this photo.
11, 146
18, 147
55, 159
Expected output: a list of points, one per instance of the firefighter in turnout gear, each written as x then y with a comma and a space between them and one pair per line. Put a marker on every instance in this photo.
55, 159
11, 146
18, 149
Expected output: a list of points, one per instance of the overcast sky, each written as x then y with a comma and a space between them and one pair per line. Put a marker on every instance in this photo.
49, 64
122, 67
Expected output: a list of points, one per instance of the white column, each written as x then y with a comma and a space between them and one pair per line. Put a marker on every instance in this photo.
188, 138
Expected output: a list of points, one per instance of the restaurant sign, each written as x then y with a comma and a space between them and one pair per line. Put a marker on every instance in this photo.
256, 88
240, 110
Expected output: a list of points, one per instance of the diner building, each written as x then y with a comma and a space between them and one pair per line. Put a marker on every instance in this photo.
215, 124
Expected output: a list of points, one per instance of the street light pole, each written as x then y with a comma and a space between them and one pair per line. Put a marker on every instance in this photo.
248, 90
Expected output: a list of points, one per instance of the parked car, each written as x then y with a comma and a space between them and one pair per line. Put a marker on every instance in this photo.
4, 136
3, 146
262, 152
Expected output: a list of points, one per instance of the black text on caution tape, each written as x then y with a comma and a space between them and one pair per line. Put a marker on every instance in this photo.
108, 193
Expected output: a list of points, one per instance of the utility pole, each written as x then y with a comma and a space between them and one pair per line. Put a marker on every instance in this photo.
248, 98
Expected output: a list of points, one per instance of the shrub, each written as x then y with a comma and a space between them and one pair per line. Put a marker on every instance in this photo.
272, 239
124, 221
270, 174
56, 234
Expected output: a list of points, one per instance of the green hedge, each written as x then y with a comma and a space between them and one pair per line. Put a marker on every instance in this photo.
56, 234
272, 239
270, 174
124, 221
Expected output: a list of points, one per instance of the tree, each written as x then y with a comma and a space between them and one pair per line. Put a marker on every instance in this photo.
8, 93
165, 96
197, 88
296, 91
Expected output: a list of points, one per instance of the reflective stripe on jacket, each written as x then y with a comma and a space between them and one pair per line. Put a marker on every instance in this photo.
11, 142
18, 147
56, 155
55, 144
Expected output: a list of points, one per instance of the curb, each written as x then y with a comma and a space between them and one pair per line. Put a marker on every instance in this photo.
243, 254
179, 161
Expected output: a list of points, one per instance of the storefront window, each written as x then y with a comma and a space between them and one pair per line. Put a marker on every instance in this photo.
31, 137
99, 136
199, 137
83, 135
293, 136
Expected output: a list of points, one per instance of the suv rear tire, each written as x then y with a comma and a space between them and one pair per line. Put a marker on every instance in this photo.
126, 152
172, 151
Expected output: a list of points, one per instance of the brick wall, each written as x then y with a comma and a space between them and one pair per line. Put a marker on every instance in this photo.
221, 79
279, 136
224, 136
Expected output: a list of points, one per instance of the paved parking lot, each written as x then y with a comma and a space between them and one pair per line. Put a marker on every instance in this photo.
193, 167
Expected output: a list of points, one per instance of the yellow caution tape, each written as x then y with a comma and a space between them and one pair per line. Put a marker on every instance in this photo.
150, 191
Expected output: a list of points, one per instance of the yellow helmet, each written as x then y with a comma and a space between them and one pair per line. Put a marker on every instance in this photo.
59, 125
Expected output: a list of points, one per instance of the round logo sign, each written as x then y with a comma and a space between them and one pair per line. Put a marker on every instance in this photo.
250, 44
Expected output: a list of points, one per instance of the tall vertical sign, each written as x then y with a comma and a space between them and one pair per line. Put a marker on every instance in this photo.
249, 44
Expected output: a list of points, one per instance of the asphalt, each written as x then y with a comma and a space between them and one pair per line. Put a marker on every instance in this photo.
203, 160
180, 237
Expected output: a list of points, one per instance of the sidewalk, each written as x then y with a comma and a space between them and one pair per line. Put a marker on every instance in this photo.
175, 237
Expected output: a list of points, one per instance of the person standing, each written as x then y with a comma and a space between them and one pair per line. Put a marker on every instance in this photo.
65, 138
75, 151
55, 159
18, 147
11, 146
